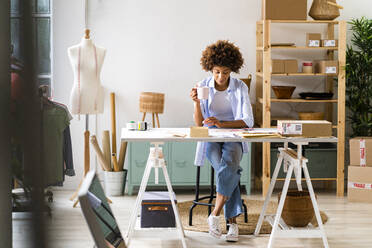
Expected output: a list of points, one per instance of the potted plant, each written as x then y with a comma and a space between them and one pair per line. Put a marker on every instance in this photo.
359, 77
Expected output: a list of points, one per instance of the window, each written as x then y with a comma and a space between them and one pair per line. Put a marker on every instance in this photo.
42, 17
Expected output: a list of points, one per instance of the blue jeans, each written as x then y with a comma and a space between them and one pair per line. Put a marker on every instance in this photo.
225, 158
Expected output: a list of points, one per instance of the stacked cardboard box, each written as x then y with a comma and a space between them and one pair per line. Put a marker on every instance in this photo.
284, 9
313, 40
360, 170
284, 66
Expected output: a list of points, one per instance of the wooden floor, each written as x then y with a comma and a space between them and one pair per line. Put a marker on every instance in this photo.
349, 225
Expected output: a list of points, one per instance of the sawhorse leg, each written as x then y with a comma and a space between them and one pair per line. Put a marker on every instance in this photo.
268, 195
297, 163
155, 161
315, 205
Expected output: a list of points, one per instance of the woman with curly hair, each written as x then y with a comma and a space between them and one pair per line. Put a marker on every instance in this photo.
227, 106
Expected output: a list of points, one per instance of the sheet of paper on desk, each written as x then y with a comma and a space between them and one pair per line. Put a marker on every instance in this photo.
262, 130
222, 134
259, 135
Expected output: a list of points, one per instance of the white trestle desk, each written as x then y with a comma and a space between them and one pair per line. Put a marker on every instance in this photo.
292, 161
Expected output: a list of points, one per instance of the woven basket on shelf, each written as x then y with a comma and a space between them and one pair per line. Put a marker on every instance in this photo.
151, 102
283, 92
324, 10
311, 115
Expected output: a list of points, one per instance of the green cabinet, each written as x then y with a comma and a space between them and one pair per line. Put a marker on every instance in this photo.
179, 157
183, 170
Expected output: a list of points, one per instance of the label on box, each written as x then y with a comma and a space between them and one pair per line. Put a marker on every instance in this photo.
359, 185
331, 69
314, 43
289, 128
329, 43
362, 149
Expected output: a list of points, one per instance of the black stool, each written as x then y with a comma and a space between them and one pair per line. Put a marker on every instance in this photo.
211, 196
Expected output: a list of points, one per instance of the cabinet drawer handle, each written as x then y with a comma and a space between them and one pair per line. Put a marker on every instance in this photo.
181, 163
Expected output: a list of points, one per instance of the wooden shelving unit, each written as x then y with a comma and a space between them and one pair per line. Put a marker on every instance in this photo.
293, 74
297, 48
294, 100
263, 89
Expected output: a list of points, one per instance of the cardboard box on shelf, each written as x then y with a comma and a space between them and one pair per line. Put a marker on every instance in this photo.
361, 151
313, 39
284, 66
359, 184
277, 66
329, 43
279, 9
290, 66
326, 66
305, 128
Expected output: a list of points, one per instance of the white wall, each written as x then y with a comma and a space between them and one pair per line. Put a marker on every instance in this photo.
155, 45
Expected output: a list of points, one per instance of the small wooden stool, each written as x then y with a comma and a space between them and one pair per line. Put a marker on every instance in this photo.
154, 103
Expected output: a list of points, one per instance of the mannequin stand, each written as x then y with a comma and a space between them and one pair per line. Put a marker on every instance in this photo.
86, 161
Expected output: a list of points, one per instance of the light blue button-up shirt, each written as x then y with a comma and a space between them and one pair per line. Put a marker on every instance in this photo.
240, 105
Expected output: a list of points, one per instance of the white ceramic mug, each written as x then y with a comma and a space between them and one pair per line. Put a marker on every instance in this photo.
203, 92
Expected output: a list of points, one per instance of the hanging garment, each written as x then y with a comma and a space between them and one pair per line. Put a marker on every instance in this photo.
67, 154
55, 121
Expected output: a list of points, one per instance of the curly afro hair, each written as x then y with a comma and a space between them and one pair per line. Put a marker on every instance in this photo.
222, 53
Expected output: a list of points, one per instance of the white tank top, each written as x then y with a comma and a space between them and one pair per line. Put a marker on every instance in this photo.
221, 106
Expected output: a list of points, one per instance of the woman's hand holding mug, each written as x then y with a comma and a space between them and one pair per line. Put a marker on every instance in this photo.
194, 95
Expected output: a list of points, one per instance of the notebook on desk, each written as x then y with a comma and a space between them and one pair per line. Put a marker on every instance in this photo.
98, 214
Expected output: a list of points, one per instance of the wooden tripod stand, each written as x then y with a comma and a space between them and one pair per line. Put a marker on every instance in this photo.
86, 162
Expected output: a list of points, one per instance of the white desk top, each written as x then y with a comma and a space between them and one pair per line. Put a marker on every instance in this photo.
215, 135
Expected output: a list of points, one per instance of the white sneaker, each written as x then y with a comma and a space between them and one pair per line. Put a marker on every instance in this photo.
233, 234
214, 226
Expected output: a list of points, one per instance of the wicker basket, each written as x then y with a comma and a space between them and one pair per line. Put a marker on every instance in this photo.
283, 92
322, 10
311, 115
151, 102
298, 209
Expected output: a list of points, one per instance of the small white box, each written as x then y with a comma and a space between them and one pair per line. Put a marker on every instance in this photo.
313, 43
329, 43
331, 70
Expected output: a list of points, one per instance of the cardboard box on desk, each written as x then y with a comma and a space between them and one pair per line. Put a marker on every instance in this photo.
305, 128
359, 187
199, 132
361, 151
280, 10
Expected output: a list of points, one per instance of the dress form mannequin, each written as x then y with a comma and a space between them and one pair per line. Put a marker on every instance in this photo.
87, 93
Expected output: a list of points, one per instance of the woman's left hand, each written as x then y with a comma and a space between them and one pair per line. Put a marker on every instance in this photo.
213, 121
